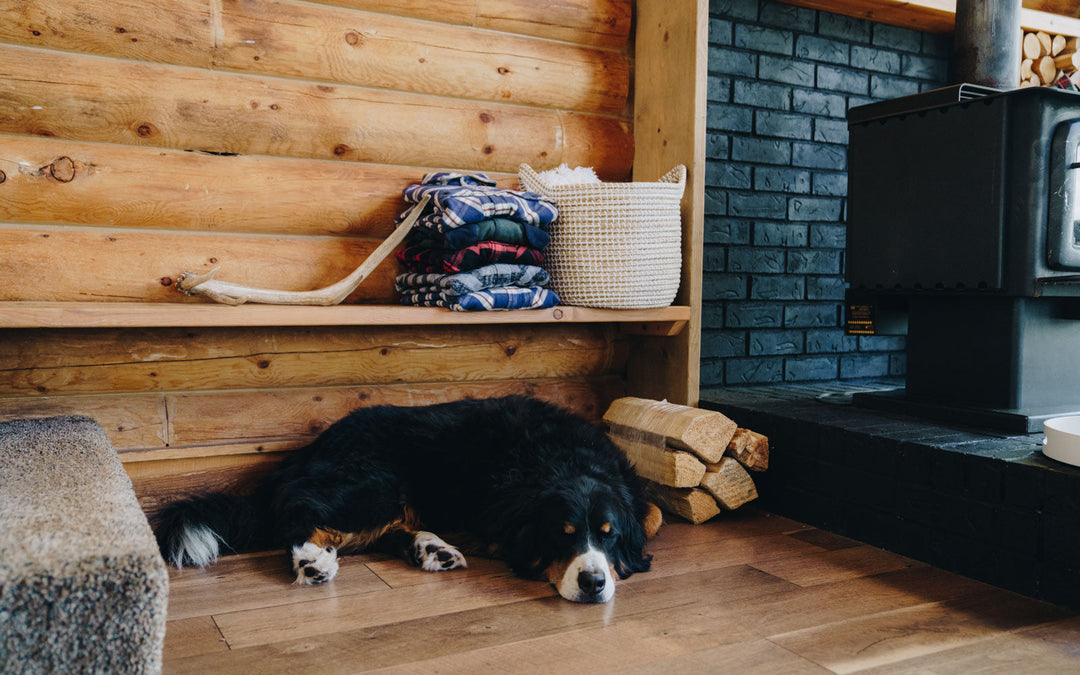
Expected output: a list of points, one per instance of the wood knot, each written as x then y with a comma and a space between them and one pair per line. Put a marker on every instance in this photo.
353, 38
166, 281
145, 130
62, 169
503, 70
341, 149
510, 351
120, 30
264, 364
3, 176
486, 117
488, 149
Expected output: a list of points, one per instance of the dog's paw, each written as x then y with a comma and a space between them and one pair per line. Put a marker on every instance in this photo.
433, 554
313, 564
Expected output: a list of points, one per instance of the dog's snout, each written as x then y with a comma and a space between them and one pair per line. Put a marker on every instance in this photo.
591, 582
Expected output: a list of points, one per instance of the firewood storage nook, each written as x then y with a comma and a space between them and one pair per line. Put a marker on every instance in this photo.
272, 139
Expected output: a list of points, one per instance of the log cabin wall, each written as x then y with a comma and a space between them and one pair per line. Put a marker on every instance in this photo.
272, 139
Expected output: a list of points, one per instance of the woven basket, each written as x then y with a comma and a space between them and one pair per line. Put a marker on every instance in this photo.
614, 245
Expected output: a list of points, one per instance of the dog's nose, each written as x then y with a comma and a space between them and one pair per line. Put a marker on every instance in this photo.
591, 582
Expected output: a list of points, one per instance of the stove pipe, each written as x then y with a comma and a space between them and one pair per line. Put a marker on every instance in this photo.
987, 42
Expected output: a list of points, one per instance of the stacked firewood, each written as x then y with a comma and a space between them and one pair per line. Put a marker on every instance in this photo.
695, 462
1050, 61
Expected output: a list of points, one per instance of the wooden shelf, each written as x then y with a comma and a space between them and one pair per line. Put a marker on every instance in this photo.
934, 16
661, 321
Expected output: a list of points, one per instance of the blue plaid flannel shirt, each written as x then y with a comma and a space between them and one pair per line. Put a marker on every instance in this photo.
458, 199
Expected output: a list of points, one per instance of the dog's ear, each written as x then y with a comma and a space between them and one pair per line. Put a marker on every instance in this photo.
629, 549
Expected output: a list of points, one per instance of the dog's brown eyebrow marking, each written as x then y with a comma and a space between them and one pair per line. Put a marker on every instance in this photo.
569, 529
606, 528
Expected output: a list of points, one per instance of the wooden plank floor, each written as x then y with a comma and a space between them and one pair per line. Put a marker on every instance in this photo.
749, 593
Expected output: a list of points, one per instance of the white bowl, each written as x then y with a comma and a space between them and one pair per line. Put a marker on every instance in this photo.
1062, 440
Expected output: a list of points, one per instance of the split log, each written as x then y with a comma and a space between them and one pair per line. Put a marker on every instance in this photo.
1045, 41
750, 449
1032, 47
1067, 61
693, 504
1026, 69
704, 432
652, 459
1057, 45
729, 483
1046, 69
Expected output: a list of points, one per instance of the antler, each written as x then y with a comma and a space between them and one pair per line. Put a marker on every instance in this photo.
236, 294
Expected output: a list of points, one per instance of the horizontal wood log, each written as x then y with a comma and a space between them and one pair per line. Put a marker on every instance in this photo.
64, 182
102, 100
729, 483
604, 143
704, 432
605, 23
203, 418
693, 504
166, 31
589, 22
750, 449
182, 31
282, 37
129, 420
158, 427
68, 264
51, 362
157, 484
652, 459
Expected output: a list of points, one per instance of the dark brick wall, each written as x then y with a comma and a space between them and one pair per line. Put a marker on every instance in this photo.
781, 79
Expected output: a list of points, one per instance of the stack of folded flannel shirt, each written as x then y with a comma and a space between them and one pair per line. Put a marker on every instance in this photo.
475, 246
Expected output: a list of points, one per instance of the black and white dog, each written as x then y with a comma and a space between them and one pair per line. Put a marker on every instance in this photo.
515, 477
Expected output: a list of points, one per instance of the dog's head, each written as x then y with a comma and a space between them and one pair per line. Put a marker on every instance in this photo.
583, 533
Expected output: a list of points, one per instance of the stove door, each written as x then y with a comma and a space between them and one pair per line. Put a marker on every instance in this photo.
1063, 227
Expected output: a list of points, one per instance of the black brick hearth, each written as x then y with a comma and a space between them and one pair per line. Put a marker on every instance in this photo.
980, 503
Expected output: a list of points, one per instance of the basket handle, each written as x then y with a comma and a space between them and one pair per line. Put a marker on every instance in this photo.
676, 175
531, 180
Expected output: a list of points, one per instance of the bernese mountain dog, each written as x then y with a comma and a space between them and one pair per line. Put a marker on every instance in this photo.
514, 478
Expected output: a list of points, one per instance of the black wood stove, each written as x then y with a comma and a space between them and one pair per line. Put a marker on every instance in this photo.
964, 218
